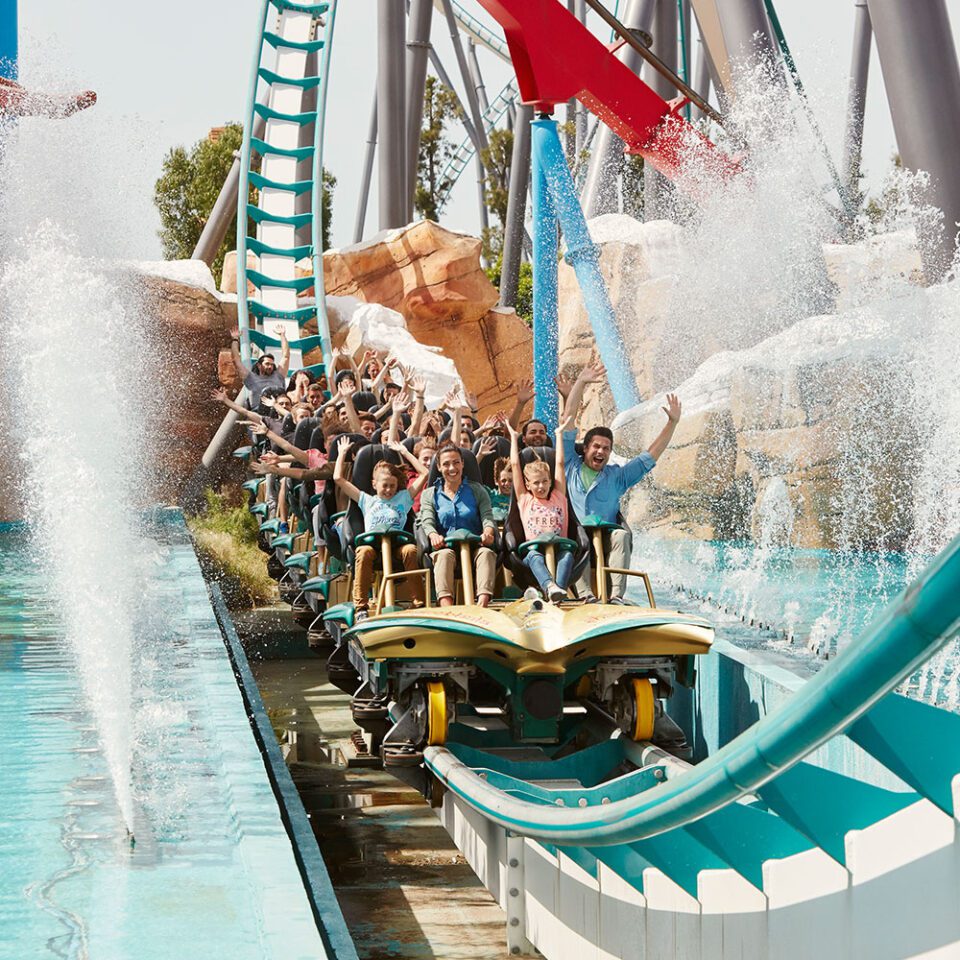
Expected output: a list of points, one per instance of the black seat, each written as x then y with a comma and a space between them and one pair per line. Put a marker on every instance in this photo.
364, 400
487, 464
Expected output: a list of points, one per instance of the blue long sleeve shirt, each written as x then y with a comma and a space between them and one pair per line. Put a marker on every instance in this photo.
602, 499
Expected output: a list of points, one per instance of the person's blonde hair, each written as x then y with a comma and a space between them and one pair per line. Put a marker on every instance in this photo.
535, 467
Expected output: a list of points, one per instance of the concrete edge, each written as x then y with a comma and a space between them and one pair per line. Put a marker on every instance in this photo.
323, 899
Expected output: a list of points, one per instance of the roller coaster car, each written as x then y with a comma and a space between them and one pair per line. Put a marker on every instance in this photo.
527, 672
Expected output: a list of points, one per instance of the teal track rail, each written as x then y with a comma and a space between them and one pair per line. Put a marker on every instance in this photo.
851, 695
277, 298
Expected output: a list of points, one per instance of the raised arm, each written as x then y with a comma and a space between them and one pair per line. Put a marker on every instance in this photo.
391, 361
662, 441
284, 364
524, 395
242, 368
422, 471
400, 405
294, 473
559, 461
299, 455
519, 487
338, 478
221, 396
455, 418
346, 395
593, 372
419, 387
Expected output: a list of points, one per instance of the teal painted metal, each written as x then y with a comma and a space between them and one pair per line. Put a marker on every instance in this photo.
246, 147
305, 83
258, 247
262, 147
266, 342
314, 9
302, 314
278, 43
299, 284
924, 618
326, 909
261, 216
545, 306
302, 119
917, 742
824, 805
323, 321
583, 255
301, 186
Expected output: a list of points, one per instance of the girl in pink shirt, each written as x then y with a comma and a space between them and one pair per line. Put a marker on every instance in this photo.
542, 504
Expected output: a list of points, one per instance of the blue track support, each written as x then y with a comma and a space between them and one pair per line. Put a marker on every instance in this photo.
550, 167
545, 252
9, 40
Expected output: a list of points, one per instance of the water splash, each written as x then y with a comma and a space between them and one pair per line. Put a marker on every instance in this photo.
71, 351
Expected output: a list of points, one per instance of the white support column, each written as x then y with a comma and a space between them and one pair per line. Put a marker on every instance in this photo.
516, 899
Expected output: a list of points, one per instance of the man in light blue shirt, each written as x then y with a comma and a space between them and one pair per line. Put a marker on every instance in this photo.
596, 486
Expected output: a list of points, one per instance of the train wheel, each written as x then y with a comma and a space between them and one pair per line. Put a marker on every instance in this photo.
436, 713
644, 708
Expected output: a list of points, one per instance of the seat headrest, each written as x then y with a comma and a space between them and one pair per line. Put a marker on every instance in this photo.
364, 400
488, 463
317, 440
470, 469
354, 439
529, 454
367, 458
303, 432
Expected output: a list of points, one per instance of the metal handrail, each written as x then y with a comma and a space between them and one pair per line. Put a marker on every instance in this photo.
917, 625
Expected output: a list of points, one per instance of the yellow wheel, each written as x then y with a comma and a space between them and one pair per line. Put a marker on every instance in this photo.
436, 713
644, 708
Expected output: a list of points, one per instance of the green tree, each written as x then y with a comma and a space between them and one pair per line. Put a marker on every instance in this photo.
524, 304
440, 107
188, 188
496, 158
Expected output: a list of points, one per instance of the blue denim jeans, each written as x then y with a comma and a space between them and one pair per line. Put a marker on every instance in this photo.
537, 565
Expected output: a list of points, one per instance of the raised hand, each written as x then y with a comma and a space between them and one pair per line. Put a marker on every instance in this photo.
511, 430
234, 333
258, 427
220, 395
259, 467
450, 398
345, 389
568, 422
401, 402
564, 384
470, 399
487, 446
673, 408
418, 385
525, 391
593, 372
268, 456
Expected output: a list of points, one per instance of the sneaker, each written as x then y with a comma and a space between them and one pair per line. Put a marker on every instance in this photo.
360, 614
590, 598
284, 528
618, 602
556, 593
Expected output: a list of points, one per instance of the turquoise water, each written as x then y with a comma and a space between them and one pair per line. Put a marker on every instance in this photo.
805, 604
212, 872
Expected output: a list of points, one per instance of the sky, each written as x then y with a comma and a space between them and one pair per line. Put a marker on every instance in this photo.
169, 72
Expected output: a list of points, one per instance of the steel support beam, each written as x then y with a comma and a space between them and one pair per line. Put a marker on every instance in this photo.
656, 187
746, 31
600, 186
857, 100
369, 155
476, 76
418, 49
516, 207
701, 81
392, 115
918, 60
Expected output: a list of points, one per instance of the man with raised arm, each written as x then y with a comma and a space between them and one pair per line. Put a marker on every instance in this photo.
596, 486
265, 372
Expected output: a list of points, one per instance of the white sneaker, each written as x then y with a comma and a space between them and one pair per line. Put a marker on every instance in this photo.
554, 593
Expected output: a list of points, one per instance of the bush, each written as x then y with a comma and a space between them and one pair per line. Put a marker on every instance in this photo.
524, 304
225, 536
